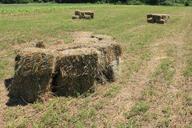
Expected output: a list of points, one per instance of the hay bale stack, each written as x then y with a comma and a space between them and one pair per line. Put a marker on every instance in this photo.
157, 18
75, 71
83, 15
33, 72
68, 71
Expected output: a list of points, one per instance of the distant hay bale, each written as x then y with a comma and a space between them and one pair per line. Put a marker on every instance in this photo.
157, 18
87, 17
77, 12
75, 17
162, 21
83, 15
89, 13
75, 71
33, 71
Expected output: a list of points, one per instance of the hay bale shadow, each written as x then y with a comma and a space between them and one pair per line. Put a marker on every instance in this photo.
15, 102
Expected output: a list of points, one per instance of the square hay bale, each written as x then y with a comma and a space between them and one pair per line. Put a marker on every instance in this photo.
75, 17
77, 12
87, 17
75, 71
162, 21
109, 59
33, 72
157, 18
109, 53
90, 13
84, 14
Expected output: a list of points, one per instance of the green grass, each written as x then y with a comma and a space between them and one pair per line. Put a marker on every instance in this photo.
51, 22
112, 91
165, 71
139, 108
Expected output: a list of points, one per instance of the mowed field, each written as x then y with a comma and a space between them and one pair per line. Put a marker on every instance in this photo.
155, 85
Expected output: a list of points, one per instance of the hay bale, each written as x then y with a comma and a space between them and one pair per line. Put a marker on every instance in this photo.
75, 71
157, 18
109, 53
87, 17
162, 21
83, 15
33, 71
77, 12
75, 17
109, 59
90, 13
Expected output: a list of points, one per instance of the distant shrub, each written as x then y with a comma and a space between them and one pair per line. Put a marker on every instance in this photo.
135, 2
186, 3
118, 2
167, 2
16, 1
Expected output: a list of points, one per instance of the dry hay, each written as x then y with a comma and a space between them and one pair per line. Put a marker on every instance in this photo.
33, 70
66, 69
109, 59
83, 15
109, 53
75, 17
157, 18
75, 71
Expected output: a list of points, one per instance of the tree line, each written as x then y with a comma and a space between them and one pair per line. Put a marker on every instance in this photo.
131, 2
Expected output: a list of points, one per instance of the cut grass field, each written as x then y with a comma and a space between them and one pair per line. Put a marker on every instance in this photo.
155, 86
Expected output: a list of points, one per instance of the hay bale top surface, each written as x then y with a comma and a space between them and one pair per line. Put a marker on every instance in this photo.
85, 11
158, 14
84, 40
32, 50
83, 43
77, 51
89, 37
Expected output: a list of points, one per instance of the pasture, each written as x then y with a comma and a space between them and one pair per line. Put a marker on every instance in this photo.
155, 86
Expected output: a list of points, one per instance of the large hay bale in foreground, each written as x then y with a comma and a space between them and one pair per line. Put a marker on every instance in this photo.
33, 71
75, 71
109, 53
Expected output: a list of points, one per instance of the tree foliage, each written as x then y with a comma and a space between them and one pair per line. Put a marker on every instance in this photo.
134, 2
